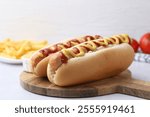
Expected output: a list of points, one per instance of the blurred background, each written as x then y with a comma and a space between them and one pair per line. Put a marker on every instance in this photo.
60, 19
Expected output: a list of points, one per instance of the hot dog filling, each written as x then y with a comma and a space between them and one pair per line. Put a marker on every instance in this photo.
60, 46
81, 49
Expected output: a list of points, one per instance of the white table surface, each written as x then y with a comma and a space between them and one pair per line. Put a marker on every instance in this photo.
10, 87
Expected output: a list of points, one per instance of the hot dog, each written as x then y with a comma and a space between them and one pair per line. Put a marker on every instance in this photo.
39, 61
90, 61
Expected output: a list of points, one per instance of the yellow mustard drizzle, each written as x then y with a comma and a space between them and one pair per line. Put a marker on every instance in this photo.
81, 52
92, 45
110, 40
88, 39
40, 55
125, 38
73, 43
61, 46
66, 53
116, 39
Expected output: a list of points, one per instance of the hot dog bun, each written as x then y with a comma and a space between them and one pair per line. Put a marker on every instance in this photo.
39, 60
41, 67
102, 63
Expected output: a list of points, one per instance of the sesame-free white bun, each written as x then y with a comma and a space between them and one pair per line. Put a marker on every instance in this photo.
103, 63
41, 68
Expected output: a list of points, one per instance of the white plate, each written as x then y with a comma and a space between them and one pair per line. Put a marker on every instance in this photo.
10, 60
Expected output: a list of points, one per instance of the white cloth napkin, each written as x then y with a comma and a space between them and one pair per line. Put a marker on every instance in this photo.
141, 57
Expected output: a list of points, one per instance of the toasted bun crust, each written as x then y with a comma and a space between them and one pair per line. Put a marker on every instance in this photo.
41, 68
28, 63
97, 65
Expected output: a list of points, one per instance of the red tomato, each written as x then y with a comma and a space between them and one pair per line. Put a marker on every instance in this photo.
145, 43
135, 45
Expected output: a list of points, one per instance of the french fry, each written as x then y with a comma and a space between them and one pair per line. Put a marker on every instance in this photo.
19, 49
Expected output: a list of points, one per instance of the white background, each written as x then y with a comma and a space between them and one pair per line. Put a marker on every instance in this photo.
60, 19
45, 19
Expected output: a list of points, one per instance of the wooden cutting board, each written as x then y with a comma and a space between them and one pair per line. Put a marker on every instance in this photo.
123, 83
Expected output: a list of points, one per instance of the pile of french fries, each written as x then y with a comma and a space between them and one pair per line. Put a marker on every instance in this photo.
18, 49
